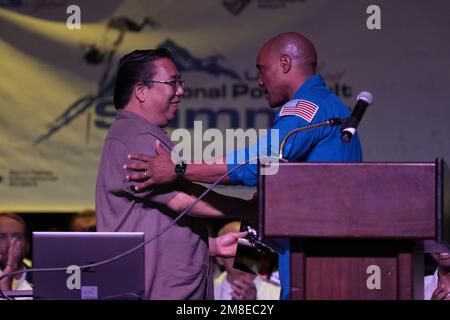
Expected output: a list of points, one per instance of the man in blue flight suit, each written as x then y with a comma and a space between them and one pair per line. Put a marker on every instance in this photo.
287, 74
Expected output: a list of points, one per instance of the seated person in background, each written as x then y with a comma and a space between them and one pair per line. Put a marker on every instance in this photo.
437, 286
234, 284
83, 221
13, 248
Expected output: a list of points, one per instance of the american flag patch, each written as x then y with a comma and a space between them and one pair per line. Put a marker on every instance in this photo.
301, 108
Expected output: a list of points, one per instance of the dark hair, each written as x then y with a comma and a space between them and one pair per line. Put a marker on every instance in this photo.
135, 66
86, 213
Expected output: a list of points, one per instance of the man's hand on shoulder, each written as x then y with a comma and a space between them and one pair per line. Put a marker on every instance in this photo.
151, 170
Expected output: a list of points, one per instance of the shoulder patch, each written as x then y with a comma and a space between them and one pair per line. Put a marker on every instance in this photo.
301, 108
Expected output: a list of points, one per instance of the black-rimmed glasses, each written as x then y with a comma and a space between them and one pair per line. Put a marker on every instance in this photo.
174, 83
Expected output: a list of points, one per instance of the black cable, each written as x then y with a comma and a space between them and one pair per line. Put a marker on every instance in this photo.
212, 186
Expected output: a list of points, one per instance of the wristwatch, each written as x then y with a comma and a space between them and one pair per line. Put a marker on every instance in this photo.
180, 169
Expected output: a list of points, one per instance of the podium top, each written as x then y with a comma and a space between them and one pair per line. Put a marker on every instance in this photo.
353, 200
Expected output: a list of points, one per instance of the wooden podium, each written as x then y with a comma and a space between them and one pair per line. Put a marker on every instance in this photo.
355, 229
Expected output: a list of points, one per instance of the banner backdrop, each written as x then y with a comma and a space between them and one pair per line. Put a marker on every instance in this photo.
56, 83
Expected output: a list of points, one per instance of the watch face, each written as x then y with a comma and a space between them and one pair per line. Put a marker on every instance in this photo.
180, 168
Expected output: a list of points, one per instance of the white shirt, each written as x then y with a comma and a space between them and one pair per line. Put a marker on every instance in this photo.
264, 289
20, 284
430, 284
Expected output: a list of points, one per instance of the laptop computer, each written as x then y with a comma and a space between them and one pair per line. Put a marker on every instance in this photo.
123, 278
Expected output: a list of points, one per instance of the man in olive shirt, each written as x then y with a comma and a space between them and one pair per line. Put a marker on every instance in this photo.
177, 263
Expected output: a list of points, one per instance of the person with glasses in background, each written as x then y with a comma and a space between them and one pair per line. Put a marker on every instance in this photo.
13, 248
147, 96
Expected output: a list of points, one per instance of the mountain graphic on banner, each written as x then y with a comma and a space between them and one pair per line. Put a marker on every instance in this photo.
182, 58
185, 61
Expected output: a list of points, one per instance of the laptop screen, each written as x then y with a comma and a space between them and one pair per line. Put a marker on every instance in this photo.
123, 278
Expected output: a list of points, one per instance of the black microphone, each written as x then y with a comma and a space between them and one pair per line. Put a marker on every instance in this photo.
349, 126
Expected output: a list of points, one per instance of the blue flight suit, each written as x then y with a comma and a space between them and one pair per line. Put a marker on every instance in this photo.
312, 103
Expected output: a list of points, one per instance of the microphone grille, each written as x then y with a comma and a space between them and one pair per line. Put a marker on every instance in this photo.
365, 96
